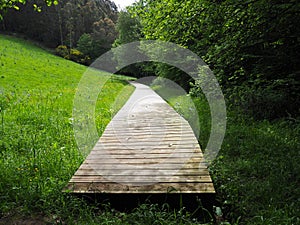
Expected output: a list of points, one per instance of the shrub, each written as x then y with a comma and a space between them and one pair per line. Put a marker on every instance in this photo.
75, 55
262, 102
63, 51
85, 44
72, 54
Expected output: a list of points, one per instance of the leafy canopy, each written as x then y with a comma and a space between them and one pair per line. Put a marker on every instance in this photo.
4, 4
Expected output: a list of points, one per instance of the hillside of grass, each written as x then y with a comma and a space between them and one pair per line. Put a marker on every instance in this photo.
38, 153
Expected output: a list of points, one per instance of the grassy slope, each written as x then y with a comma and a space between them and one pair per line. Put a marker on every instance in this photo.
38, 154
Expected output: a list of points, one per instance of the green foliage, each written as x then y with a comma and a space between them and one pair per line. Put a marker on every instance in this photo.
261, 102
65, 23
165, 23
4, 5
129, 30
72, 54
128, 27
99, 41
79, 57
85, 44
63, 51
149, 214
246, 43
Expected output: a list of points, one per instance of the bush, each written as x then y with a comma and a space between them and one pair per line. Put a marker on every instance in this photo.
72, 54
262, 102
85, 44
63, 51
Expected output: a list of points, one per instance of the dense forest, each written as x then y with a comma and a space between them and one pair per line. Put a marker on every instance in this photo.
88, 26
253, 47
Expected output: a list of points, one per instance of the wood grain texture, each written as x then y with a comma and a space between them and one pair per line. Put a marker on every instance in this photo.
146, 148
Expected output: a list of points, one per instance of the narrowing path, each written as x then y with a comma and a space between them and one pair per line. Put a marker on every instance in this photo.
147, 148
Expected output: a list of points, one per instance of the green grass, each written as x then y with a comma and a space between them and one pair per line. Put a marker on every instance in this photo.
37, 147
38, 152
257, 172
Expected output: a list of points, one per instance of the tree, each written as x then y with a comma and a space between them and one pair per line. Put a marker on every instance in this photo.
104, 31
4, 5
61, 24
128, 27
85, 44
252, 46
129, 30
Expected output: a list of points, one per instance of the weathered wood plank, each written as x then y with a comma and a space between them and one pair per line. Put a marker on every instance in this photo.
118, 151
143, 166
146, 148
166, 146
88, 170
137, 156
151, 189
131, 179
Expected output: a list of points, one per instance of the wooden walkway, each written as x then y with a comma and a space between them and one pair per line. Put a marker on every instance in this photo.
147, 148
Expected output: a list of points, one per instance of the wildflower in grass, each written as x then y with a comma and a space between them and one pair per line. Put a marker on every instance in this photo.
71, 121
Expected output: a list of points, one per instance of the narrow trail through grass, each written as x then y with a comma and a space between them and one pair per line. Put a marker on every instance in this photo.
256, 175
38, 152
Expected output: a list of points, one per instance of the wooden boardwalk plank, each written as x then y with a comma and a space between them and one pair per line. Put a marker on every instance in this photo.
146, 148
